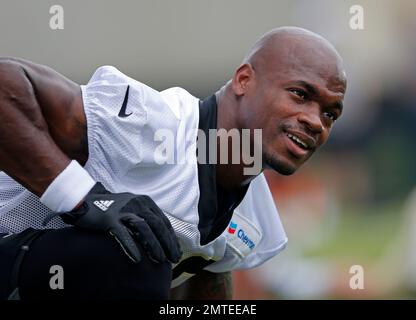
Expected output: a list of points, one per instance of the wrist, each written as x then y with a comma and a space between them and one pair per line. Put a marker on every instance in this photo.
68, 189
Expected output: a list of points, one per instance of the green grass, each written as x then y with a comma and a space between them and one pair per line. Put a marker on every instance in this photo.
363, 233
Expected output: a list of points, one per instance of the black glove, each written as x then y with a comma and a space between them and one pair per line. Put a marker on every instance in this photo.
129, 218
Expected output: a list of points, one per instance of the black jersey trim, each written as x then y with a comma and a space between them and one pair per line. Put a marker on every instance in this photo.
216, 205
207, 205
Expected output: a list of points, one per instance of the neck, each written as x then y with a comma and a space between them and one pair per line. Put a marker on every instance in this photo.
229, 176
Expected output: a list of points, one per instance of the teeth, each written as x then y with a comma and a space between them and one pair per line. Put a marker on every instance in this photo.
296, 139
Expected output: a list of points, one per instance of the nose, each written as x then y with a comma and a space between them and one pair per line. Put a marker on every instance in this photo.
312, 120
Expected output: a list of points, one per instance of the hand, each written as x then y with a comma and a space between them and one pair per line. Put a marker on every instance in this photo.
131, 219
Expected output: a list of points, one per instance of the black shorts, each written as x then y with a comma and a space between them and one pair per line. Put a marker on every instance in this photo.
93, 266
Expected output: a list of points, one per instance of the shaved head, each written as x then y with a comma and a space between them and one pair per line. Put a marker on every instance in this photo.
288, 48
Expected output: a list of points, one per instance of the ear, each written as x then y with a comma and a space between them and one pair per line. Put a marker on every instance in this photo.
242, 79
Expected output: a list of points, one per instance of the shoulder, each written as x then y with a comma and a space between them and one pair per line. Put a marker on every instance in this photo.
182, 103
109, 82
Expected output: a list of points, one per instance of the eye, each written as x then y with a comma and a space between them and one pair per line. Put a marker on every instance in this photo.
331, 116
302, 94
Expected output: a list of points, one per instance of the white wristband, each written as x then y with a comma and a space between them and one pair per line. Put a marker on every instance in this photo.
68, 188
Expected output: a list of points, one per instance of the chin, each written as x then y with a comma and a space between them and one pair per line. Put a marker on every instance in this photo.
281, 166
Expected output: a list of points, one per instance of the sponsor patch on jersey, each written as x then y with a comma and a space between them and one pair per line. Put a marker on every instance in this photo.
232, 227
242, 235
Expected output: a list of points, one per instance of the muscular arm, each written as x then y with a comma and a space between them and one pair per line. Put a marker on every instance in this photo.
205, 286
42, 123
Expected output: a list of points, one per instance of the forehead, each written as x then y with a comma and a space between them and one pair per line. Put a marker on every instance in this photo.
323, 75
309, 61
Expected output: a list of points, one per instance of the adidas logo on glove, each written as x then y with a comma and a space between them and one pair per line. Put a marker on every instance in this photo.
103, 204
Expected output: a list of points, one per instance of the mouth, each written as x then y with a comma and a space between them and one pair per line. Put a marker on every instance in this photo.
299, 144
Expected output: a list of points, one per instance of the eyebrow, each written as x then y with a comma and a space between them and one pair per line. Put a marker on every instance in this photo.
309, 87
314, 91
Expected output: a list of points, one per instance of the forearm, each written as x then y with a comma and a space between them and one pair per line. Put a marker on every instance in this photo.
205, 286
27, 151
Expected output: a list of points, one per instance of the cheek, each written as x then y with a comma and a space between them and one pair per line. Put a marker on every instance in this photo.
271, 128
278, 116
256, 115
324, 136
273, 139
267, 111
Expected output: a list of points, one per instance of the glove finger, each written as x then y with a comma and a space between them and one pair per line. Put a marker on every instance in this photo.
126, 241
159, 224
145, 236
155, 208
149, 203
175, 251
166, 236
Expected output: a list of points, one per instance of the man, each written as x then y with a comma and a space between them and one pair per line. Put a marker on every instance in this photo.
290, 85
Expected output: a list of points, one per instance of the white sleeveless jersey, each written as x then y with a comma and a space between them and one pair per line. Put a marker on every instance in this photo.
125, 155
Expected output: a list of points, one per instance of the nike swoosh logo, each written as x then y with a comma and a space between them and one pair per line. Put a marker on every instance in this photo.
122, 113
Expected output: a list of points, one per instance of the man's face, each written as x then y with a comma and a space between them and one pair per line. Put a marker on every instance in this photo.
296, 106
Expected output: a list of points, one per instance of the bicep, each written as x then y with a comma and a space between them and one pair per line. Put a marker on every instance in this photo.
205, 286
